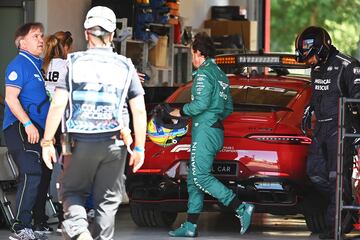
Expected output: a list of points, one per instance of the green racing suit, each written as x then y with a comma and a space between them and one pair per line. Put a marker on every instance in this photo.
210, 103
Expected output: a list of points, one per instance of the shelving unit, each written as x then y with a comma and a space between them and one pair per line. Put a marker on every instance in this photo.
138, 52
163, 75
182, 64
178, 67
121, 27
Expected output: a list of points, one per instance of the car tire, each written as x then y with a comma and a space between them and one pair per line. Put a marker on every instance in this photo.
315, 222
150, 217
314, 211
348, 221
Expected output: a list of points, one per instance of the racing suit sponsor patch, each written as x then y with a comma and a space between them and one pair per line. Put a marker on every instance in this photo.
322, 84
223, 95
323, 81
223, 85
356, 70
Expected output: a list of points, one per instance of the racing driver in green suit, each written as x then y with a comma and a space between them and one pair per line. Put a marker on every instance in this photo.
210, 104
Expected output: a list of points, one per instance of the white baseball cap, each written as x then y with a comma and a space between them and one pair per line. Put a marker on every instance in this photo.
101, 16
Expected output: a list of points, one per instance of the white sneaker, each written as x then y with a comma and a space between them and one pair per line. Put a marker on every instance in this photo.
84, 236
24, 234
59, 228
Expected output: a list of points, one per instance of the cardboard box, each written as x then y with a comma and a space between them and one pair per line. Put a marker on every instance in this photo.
158, 54
246, 29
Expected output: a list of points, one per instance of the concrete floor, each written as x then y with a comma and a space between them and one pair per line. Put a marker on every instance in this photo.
213, 226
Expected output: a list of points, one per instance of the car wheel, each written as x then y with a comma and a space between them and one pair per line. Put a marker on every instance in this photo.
315, 222
348, 221
314, 212
150, 217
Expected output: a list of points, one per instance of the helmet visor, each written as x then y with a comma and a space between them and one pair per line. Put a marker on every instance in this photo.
307, 44
304, 56
306, 50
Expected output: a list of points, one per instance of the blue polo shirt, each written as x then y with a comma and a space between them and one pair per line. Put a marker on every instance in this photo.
24, 73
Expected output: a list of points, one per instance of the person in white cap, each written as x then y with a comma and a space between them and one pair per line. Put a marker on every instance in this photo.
96, 88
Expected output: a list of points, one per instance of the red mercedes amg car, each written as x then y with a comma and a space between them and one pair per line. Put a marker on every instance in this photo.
264, 155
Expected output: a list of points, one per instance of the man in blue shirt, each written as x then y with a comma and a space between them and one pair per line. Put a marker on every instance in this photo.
26, 108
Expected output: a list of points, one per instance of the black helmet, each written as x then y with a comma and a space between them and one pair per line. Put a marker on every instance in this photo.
312, 41
164, 129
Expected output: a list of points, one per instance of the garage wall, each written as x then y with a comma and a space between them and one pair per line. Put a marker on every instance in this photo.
195, 12
11, 17
64, 15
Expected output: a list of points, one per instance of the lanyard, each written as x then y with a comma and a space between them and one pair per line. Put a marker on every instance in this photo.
27, 57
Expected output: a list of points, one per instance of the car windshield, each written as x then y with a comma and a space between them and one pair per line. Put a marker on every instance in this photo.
250, 95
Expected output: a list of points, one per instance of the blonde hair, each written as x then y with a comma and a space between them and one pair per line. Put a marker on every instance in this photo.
54, 47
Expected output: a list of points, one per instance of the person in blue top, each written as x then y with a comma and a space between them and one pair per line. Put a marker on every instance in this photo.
26, 108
